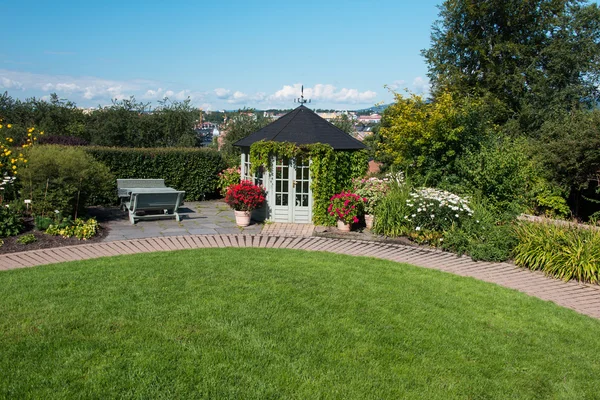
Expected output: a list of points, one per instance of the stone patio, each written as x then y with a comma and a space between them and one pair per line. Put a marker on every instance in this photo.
197, 218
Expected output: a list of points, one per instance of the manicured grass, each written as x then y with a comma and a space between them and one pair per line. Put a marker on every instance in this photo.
264, 323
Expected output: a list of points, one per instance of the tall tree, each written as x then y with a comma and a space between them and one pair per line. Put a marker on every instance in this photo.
241, 124
531, 55
344, 123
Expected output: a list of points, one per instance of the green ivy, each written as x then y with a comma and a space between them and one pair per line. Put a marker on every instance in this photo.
331, 171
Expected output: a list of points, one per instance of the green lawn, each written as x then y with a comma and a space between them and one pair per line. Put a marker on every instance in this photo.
263, 323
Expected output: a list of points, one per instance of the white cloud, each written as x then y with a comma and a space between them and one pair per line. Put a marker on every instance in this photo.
92, 89
222, 93
399, 84
323, 92
88, 91
421, 86
7, 83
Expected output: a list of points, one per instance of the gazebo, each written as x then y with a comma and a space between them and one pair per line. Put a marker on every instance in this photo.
288, 180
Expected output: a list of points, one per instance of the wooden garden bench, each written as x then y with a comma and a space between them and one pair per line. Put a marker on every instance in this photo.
143, 200
125, 186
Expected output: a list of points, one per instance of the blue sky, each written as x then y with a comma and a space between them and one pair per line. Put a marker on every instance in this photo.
222, 54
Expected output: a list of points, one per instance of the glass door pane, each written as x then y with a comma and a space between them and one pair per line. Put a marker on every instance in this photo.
282, 176
301, 183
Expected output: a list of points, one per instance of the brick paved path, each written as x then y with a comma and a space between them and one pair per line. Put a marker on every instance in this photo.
582, 298
283, 229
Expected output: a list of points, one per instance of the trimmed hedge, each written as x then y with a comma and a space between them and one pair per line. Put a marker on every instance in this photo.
192, 170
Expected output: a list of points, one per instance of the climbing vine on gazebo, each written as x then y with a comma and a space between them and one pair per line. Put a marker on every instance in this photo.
331, 170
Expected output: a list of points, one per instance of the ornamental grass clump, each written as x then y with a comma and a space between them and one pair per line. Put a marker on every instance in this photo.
245, 196
565, 252
371, 189
346, 206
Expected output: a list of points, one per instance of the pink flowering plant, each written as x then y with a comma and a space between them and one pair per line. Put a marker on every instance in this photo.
371, 189
228, 177
346, 206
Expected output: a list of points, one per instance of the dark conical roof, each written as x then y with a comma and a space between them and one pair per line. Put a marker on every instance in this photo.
303, 126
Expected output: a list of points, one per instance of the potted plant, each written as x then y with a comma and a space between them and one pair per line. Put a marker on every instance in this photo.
243, 198
346, 207
372, 189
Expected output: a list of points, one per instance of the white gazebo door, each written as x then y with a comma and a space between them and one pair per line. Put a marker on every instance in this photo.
282, 209
301, 191
292, 200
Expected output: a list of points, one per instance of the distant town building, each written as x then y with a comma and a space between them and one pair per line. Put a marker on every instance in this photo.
369, 119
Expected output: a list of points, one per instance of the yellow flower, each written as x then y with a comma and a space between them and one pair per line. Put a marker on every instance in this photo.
7, 152
24, 161
14, 167
10, 140
0, 126
9, 126
29, 134
42, 132
14, 172
34, 138
30, 130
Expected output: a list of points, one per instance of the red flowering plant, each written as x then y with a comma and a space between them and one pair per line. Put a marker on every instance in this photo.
245, 196
346, 206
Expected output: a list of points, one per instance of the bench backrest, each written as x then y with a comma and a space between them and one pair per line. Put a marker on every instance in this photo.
156, 201
140, 183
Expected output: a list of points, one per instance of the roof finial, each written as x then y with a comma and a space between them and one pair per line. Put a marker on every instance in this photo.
301, 99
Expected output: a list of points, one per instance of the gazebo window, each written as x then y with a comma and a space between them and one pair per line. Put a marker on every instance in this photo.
247, 175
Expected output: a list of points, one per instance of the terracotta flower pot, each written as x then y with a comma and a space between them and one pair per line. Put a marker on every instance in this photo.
369, 221
343, 226
242, 218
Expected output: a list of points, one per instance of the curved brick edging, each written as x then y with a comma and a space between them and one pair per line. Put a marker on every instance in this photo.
582, 298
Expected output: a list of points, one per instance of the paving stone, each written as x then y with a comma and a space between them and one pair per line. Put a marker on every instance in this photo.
228, 231
202, 231
176, 230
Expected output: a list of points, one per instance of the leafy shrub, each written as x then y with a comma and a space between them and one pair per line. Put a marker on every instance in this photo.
346, 206
63, 140
42, 223
485, 236
27, 239
63, 178
372, 189
11, 222
228, 177
193, 170
501, 172
245, 196
79, 228
566, 252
